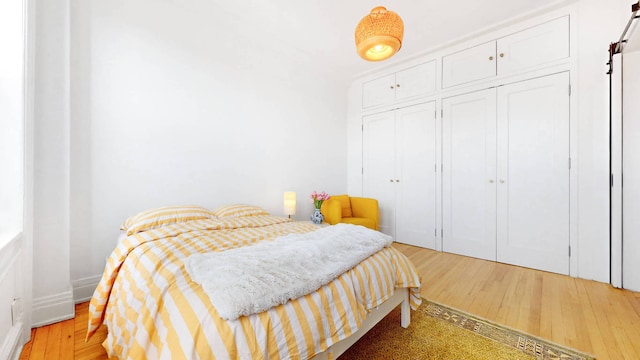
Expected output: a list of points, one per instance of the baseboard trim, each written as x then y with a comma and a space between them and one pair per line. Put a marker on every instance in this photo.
11, 348
83, 288
50, 309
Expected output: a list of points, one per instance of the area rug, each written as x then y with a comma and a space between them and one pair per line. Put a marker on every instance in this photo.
440, 333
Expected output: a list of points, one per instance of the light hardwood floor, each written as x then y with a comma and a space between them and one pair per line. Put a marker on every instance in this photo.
65, 340
586, 315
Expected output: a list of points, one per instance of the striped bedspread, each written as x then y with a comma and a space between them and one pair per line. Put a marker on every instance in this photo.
154, 311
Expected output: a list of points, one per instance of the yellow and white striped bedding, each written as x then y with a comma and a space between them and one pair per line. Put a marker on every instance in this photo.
153, 310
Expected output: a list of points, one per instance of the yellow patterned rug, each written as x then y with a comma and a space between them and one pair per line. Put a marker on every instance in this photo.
440, 333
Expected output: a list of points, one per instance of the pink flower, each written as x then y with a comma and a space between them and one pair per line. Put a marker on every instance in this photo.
319, 198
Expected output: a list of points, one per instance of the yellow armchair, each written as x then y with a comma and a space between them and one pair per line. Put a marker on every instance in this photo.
351, 210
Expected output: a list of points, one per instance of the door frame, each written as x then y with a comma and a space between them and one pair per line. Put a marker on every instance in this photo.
615, 171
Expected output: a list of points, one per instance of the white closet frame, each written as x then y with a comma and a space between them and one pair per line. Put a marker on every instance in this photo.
629, 41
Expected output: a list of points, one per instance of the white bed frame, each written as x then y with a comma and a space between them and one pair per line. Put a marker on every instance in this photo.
401, 296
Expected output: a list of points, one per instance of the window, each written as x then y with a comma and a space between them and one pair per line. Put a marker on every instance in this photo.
11, 119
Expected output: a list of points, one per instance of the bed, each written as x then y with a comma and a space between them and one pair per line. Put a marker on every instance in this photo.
154, 309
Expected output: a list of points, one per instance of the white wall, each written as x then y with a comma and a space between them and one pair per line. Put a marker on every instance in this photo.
599, 23
12, 284
52, 296
176, 103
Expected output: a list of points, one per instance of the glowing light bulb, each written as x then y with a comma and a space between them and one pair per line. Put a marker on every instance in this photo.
379, 35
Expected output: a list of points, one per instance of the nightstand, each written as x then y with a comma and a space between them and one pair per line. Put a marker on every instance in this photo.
324, 224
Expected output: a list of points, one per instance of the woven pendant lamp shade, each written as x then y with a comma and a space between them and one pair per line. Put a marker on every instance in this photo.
379, 34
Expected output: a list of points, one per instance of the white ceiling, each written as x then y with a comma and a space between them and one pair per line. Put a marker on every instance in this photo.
325, 28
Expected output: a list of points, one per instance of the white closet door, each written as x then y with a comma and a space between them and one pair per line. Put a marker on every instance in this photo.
533, 173
415, 172
469, 174
378, 177
631, 171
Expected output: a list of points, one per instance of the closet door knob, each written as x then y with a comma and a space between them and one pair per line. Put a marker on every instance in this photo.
397, 180
501, 54
490, 58
491, 181
397, 85
391, 86
391, 180
501, 181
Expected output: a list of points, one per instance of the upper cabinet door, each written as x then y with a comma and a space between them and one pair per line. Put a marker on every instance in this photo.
478, 62
413, 82
511, 54
416, 81
534, 46
379, 91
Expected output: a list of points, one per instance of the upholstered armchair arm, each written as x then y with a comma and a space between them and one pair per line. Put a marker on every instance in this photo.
332, 211
365, 208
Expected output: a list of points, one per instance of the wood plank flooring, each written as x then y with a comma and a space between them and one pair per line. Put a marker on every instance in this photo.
582, 314
65, 340
585, 315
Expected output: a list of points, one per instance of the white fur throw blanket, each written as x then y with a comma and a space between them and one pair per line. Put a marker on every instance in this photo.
253, 279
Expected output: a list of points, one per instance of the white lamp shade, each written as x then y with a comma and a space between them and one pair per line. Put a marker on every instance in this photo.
289, 202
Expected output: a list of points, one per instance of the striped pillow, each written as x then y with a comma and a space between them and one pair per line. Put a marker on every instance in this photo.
167, 215
239, 210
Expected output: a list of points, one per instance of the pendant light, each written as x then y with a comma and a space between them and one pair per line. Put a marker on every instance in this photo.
379, 34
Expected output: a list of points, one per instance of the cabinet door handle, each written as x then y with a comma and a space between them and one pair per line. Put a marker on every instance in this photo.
501, 181
501, 54
397, 85
397, 180
490, 58
391, 180
491, 181
391, 86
